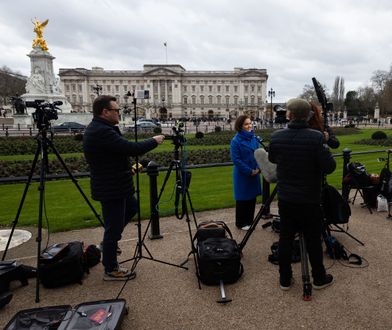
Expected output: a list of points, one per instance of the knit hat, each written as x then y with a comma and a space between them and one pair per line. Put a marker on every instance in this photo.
299, 108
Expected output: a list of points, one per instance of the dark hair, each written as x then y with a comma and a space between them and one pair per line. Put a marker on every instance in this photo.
102, 102
239, 122
316, 121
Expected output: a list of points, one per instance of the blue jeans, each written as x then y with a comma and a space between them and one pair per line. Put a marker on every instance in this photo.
116, 213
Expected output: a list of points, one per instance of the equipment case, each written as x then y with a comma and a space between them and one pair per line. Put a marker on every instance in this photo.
103, 314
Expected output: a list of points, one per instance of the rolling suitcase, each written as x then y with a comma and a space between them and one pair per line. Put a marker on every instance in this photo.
103, 314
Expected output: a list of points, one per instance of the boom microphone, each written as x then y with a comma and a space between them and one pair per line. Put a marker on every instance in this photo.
268, 169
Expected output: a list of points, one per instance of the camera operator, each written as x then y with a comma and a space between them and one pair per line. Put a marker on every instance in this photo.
316, 121
302, 159
107, 154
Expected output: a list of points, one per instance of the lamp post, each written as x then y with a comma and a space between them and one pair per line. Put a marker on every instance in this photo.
161, 109
271, 93
97, 89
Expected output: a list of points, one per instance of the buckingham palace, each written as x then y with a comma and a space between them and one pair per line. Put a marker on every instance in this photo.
174, 91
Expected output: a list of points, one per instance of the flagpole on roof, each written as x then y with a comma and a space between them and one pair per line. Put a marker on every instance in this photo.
165, 44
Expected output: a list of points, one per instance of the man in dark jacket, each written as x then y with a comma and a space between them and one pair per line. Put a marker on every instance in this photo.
107, 154
302, 159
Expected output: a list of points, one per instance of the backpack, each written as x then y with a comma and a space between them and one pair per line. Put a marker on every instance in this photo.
385, 184
274, 256
65, 269
92, 255
357, 175
218, 256
336, 208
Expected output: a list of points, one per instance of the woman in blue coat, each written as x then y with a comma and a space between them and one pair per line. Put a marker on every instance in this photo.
246, 173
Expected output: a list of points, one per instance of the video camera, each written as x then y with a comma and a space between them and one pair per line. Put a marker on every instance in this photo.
280, 115
178, 136
45, 111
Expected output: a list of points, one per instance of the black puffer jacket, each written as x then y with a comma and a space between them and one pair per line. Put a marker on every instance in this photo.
107, 154
301, 160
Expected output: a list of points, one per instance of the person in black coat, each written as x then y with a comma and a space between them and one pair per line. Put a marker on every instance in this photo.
316, 121
107, 154
302, 159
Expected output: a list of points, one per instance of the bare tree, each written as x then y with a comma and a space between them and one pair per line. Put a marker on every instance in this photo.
382, 82
11, 84
337, 96
309, 94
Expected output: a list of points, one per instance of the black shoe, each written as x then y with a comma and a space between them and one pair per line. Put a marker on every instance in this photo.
326, 281
286, 285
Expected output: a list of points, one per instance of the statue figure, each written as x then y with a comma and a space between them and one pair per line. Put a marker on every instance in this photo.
36, 83
38, 29
18, 105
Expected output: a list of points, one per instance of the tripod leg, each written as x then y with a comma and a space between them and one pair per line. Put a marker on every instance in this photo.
15, 222
192, 209
172, 164
307, 286
256, 220
348, 234
41, 205
75, 181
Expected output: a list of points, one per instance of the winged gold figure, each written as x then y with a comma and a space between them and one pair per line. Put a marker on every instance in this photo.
38, 29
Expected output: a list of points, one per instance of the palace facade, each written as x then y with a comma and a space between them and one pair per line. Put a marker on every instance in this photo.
174, 92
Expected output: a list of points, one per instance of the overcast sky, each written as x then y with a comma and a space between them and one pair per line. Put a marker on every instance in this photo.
292, 40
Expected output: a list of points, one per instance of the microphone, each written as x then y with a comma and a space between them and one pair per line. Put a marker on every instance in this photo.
260, 140
268, 169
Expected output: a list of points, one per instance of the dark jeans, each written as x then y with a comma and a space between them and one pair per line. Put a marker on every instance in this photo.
293, 218
244, 212
116, 213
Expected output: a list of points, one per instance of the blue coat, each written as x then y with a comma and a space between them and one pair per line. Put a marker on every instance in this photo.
242, 147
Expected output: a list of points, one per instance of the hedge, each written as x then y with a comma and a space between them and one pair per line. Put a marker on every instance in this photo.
16, 168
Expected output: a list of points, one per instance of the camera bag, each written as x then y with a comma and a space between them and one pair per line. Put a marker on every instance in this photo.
218, 256
65, 269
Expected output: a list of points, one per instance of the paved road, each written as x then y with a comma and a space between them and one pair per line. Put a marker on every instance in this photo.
166, 297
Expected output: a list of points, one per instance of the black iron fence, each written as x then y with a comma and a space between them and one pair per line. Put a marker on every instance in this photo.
153, 170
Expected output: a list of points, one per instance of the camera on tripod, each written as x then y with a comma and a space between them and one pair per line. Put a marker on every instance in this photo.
44, 112
178, 136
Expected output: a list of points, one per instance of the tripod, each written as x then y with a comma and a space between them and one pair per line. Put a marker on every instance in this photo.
138, 253
182, 178
42, 152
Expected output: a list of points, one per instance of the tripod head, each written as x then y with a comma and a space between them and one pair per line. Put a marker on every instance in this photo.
178, 137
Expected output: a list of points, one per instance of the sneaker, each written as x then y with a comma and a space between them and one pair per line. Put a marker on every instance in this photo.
246, 228
286, 285
119, 274
326, 281
100, 247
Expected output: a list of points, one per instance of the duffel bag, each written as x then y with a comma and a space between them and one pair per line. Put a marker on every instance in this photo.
219, 259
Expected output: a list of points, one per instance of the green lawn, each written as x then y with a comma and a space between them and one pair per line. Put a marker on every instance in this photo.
210, 188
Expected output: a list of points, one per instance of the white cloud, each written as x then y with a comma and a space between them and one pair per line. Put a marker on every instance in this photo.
294, 41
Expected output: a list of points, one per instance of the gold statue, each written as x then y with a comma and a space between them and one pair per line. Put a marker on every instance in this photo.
38, 29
